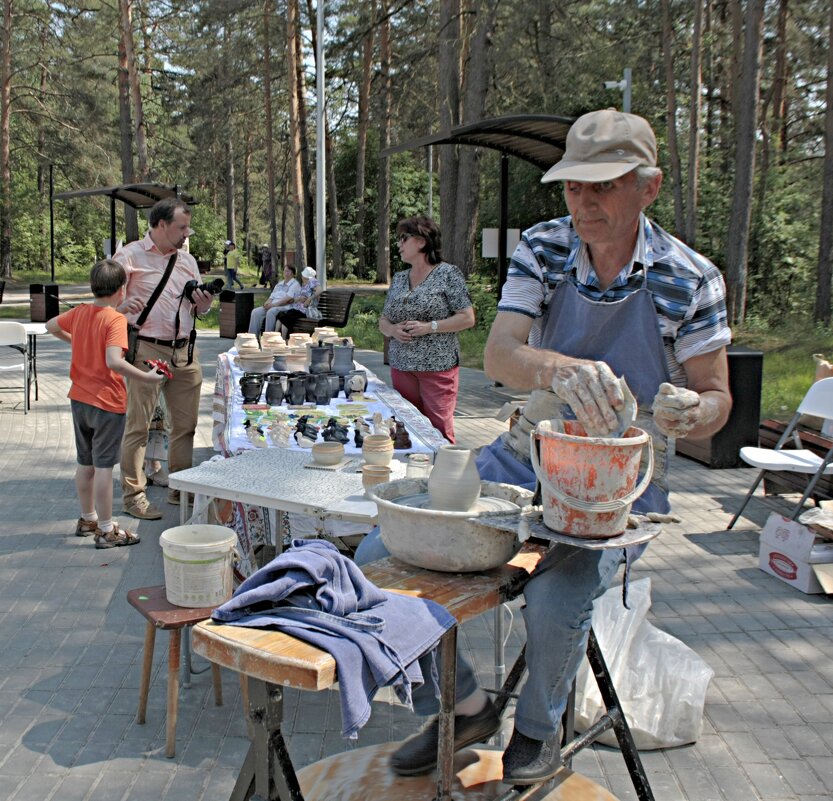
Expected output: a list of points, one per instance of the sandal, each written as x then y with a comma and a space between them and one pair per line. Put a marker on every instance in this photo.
115, 538
85, 528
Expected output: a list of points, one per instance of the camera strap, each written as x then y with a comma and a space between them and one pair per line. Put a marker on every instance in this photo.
140, 320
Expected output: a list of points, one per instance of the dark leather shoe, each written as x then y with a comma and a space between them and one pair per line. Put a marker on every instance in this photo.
528, 761
418, 755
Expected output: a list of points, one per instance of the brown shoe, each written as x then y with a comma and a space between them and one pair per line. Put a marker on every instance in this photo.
141, 507
116, 538
85, 528
173, 496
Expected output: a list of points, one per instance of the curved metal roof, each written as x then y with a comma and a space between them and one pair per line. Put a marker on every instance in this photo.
139, 196
536, 138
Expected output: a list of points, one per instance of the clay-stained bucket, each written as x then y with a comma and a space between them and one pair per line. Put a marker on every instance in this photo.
588, 484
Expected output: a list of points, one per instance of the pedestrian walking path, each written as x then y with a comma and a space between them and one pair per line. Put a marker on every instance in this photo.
71, 650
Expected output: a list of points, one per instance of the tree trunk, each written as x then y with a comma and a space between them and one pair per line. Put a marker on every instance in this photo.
696, 79
449, 44
268, 10
825, 264
247, 169
383, 184
361, 144
737, 238
332, 204
296, 175
231, 225
779, 97
306, 169
671, 117
5, 122
126, 23
477, 73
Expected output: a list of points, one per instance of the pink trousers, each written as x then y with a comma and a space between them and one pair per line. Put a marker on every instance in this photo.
433, 392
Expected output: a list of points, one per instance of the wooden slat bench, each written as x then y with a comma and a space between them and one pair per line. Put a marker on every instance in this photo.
271, 660
785, 483
334, 305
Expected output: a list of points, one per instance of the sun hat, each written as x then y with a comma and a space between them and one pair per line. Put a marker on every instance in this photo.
604, 145
309, 272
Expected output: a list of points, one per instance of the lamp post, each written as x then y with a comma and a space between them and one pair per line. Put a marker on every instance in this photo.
624, 86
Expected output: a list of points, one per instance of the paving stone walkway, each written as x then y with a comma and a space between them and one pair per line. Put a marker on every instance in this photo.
71, 646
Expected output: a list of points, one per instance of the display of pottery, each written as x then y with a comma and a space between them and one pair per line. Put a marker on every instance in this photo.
321, 358
275, 390
454, 483
328, 453
298, 340
342, 359
244, 339
296, 357
377, 449
251, 385
297, 389
355, 381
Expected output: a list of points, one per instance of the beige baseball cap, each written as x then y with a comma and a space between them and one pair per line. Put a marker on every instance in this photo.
604, 145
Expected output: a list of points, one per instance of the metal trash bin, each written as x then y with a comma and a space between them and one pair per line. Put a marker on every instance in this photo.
43, 302
723, 448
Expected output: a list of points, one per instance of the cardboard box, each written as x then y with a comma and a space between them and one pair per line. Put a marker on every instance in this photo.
787, 553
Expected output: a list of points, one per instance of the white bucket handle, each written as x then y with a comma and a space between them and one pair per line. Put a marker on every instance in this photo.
615, 505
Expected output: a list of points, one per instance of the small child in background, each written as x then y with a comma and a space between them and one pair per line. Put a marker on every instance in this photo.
98, 335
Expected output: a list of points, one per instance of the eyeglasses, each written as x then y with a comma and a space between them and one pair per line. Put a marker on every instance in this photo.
403, 238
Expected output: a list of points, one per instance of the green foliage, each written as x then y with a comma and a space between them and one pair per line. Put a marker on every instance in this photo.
363, 325
206, 244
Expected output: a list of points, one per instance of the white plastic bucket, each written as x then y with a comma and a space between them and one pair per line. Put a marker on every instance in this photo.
198, 564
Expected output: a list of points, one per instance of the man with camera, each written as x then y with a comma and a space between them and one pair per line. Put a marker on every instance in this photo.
164, 294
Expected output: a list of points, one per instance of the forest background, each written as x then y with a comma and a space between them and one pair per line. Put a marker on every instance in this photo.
218, 97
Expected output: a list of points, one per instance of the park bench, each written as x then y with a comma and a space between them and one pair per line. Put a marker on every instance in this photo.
334, 305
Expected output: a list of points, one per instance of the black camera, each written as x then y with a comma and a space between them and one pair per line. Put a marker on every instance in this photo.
212, 287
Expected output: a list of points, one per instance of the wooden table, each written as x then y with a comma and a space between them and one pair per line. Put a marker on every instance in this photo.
273, 660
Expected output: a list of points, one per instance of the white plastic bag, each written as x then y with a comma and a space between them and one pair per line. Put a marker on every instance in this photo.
660, 681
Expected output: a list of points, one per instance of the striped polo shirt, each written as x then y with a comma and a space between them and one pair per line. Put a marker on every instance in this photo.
687, 289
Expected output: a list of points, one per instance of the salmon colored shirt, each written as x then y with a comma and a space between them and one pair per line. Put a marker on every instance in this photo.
93, 329
145, 265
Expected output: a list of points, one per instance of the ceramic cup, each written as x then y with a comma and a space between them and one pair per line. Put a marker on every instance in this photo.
377, 449
373, 474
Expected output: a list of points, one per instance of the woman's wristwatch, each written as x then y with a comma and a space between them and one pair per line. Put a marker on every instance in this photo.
434, 326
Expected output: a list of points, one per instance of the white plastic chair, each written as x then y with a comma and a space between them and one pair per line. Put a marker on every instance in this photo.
817, 402
14, 335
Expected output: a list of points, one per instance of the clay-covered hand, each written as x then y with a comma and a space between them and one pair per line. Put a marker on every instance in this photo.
676, 410
592, 392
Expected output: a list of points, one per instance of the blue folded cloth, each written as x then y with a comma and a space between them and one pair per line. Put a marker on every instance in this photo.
316, 594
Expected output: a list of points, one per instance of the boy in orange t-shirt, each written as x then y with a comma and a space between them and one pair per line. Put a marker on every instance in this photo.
98, 334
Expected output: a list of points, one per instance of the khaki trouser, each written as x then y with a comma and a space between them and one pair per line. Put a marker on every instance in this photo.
182, 396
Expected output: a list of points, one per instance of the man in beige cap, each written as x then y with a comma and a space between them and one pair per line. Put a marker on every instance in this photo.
596, 296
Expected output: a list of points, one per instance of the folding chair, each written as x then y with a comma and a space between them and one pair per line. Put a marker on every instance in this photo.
817, 402
14, 335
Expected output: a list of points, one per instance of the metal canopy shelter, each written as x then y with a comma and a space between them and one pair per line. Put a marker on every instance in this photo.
138, 196
536, 138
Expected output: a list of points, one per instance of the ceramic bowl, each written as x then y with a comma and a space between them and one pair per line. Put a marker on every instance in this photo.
256, 364
377, 449
328, 453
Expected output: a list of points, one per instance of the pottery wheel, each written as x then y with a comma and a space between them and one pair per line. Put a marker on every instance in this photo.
532, 525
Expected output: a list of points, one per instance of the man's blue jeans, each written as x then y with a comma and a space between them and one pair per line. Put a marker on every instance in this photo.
559, 604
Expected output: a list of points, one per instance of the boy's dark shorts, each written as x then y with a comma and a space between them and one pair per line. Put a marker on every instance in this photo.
98, 435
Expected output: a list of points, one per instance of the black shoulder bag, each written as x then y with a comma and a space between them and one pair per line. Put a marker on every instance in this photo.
134, 328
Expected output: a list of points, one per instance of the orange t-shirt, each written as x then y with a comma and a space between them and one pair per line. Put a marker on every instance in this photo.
93, 330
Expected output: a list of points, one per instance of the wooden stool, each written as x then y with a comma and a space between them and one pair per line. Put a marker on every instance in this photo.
272, 660
153, 605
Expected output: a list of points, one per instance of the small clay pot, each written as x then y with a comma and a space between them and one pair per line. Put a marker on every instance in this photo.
377, 449
373, 474
328, 453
